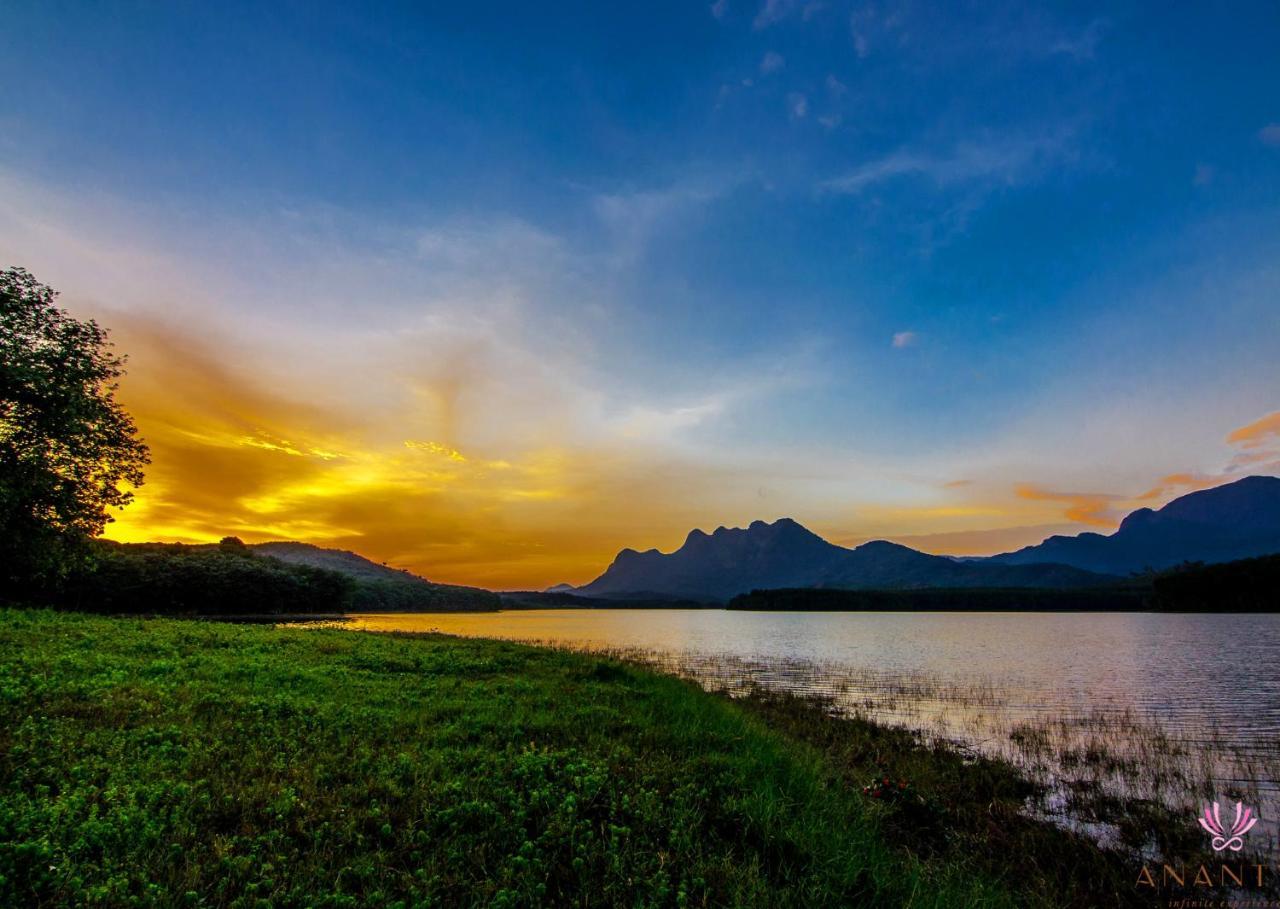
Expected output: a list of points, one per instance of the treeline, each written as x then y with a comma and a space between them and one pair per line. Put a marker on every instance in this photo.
229, 578
416, 595
942, 599
176, 579
543, 599
1247, 585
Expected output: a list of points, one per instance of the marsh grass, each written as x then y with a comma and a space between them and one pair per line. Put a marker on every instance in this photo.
161, 762
1129, 779
172, 763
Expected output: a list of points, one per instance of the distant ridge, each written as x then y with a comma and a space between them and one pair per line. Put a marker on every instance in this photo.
383, 589
731, 561
1236, 521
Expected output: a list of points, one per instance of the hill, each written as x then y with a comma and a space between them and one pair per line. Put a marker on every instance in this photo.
177, 579
1236, 521
379, 588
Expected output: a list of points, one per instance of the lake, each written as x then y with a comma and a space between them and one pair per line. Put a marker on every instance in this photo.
1174, 706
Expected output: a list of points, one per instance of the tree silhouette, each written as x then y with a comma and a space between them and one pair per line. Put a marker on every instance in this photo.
68, 450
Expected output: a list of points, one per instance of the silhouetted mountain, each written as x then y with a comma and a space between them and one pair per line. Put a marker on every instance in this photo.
1235, 521
724, 563
784, 554
380, 588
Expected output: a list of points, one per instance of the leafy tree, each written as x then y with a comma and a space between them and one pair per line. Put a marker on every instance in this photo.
68, 450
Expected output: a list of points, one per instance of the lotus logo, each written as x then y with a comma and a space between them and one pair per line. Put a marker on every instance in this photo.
1228, 838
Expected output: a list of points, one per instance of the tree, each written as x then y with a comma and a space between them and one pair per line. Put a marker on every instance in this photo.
68, 450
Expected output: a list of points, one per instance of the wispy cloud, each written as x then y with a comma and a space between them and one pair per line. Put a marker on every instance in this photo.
1095, 508
774, 11
630, 218
1081, 45
1259, 432
1270, 135
1005, 161
720, 8
772, 62
903, 339
1259, 442
1178, 483
648, 423
797, 105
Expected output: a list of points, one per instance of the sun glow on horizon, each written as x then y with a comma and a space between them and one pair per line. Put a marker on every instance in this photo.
235, 460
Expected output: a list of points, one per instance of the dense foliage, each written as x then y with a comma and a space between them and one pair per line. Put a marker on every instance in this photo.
68, 451
399, 596
1246, 585
159, 762
174, 579
379, 588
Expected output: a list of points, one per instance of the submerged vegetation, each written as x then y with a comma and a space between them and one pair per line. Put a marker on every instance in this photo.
161, 762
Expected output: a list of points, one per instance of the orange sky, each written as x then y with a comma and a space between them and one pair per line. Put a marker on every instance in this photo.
408, 400
410, 481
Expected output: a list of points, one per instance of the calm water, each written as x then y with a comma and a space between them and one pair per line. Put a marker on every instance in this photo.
1190, 701
1224, 668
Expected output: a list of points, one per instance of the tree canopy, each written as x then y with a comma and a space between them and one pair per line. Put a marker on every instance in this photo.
68, 450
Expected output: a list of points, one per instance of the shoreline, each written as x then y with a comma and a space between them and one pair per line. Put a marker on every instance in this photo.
481, 714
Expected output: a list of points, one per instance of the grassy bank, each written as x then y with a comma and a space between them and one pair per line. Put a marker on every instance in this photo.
161, 762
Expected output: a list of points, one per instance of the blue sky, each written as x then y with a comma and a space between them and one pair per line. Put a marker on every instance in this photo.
877, 266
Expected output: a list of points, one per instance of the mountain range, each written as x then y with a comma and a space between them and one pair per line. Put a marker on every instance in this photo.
1234, 521
1237, 521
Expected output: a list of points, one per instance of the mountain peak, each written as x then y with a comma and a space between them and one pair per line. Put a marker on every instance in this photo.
728, 561
1236, 520
1231, 521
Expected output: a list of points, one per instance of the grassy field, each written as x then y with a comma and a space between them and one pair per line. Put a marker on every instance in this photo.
165, 762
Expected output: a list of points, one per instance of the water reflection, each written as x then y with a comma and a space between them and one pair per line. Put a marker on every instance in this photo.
1177, 707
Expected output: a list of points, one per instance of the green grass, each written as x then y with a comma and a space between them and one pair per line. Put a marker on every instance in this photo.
163, 762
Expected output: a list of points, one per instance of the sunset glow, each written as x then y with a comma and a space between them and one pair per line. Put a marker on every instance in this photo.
893, 274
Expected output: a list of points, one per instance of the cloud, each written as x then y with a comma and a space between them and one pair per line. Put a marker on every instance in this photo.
772, 62
631, 218
1005, 161
773, 11
1084, 44
957, 484
433, 395
720, 8
1270, 135
1260, 432
648, 423
797, 105
903, 339
1178, 483
1094, 508
1203, 175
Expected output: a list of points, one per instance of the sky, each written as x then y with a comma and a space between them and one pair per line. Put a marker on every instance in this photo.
491, 291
